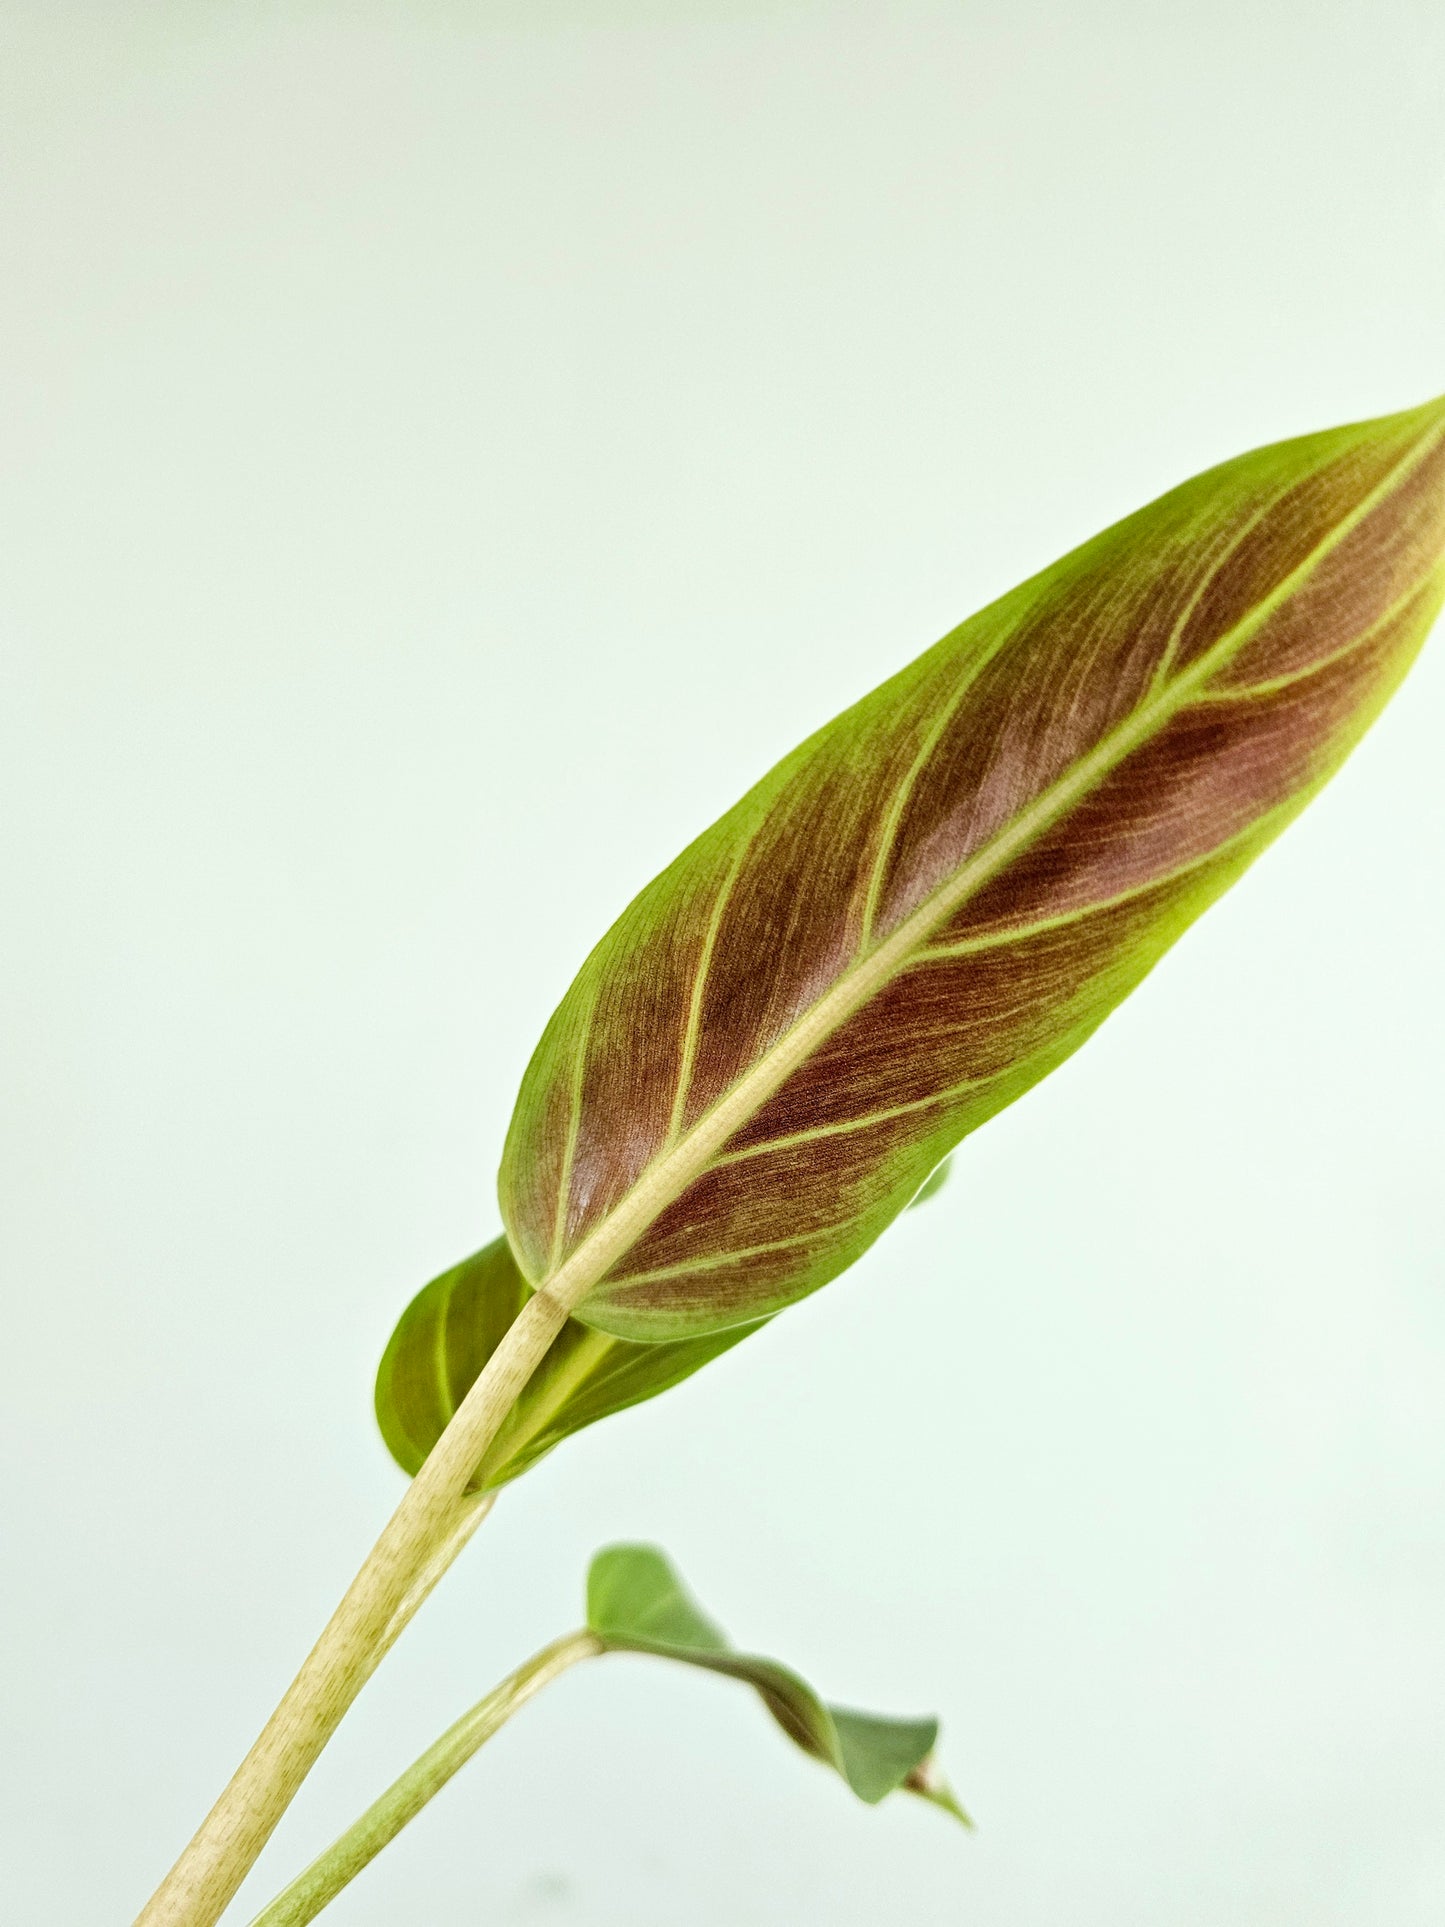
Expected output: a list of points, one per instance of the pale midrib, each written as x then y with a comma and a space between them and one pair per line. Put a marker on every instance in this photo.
847, 1124
1421, 591
720, 1259
1207, 581
590, 1353
1065, 919
670, 1174
888, 834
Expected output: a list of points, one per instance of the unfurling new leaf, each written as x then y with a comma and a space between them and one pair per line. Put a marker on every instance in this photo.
636, 1603
937, 898
451, 1328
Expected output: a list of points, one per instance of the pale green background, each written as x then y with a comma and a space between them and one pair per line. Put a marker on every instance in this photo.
447, 452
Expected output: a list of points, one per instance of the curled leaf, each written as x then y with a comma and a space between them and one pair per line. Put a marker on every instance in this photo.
939, 896
636, 1603
935, 1182
451, 1328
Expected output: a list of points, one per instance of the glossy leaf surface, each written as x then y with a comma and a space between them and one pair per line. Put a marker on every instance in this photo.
636, 1603
451, 1328
937, 898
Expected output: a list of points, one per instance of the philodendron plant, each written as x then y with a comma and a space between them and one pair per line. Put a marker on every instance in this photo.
911, 920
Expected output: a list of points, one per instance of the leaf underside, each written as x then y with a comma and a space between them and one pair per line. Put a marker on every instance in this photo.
934, 1183
636, 1603
451, 1328
939, 896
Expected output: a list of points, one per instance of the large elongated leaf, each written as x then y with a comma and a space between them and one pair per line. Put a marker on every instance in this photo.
939, 896
451, 1328
636, 1603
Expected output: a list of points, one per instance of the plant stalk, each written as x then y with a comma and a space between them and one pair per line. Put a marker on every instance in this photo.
377, 1604
470, 1515
344, 1859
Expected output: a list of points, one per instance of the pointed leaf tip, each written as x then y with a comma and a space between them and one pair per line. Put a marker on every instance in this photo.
929, 1784
637, 1603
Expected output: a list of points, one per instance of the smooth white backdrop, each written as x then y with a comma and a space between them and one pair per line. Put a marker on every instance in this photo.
446, 452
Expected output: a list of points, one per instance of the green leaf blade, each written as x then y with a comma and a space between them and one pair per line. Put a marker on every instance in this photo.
879, 1755
454, 1324
937, 898
634, 1597
637, 1603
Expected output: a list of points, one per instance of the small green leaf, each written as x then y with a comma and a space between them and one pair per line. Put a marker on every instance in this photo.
636, 1603
451, 1328
634, 1595
935, 1181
